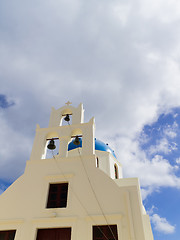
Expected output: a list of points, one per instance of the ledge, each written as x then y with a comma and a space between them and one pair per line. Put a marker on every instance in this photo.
102, 217
11, 221
58, 177
54, 219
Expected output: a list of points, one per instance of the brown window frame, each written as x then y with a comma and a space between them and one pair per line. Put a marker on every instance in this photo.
104, 232
57, 195
7, 234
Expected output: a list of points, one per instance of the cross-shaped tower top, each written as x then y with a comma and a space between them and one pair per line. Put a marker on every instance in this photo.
68, 103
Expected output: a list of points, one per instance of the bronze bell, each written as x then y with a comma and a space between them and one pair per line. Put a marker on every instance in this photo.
51, 145
67, 118
76, 141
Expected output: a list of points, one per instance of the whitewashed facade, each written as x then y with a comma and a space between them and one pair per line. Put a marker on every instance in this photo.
97, 192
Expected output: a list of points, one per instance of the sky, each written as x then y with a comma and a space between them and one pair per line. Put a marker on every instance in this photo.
121, 59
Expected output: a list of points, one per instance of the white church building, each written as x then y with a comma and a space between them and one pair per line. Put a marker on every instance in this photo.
72, 188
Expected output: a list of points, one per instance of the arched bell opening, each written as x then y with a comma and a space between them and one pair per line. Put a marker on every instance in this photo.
51, 146
66, 120
76, 132
66, 117
76, 142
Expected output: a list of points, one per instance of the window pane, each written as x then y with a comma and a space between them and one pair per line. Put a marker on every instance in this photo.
53, 196
63, 195
7, 235
98, 232
63, 204
57, 195
11, 235
52, 204
2, 235
54, 234
64, 187
104, 232
53, 187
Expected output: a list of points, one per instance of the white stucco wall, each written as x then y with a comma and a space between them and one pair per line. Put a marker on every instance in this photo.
94, 196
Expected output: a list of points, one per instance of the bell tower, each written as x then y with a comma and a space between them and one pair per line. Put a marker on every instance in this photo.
56, 118
65, 133
67, 125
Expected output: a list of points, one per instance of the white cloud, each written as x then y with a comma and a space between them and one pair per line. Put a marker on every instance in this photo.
124, 68
162, 225
153, 173
171, 131
14, 148
163, 146
146, 191
163, 143
121, 59
121, 12
178, 160
166, 11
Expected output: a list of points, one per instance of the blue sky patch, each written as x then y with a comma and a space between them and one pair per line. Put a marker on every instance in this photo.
163, 136
4, 103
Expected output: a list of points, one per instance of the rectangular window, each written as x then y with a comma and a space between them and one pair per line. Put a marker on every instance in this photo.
54, 234
57, 197
7, 235
104, 232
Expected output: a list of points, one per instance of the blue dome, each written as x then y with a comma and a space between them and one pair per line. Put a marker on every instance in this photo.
99, 145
